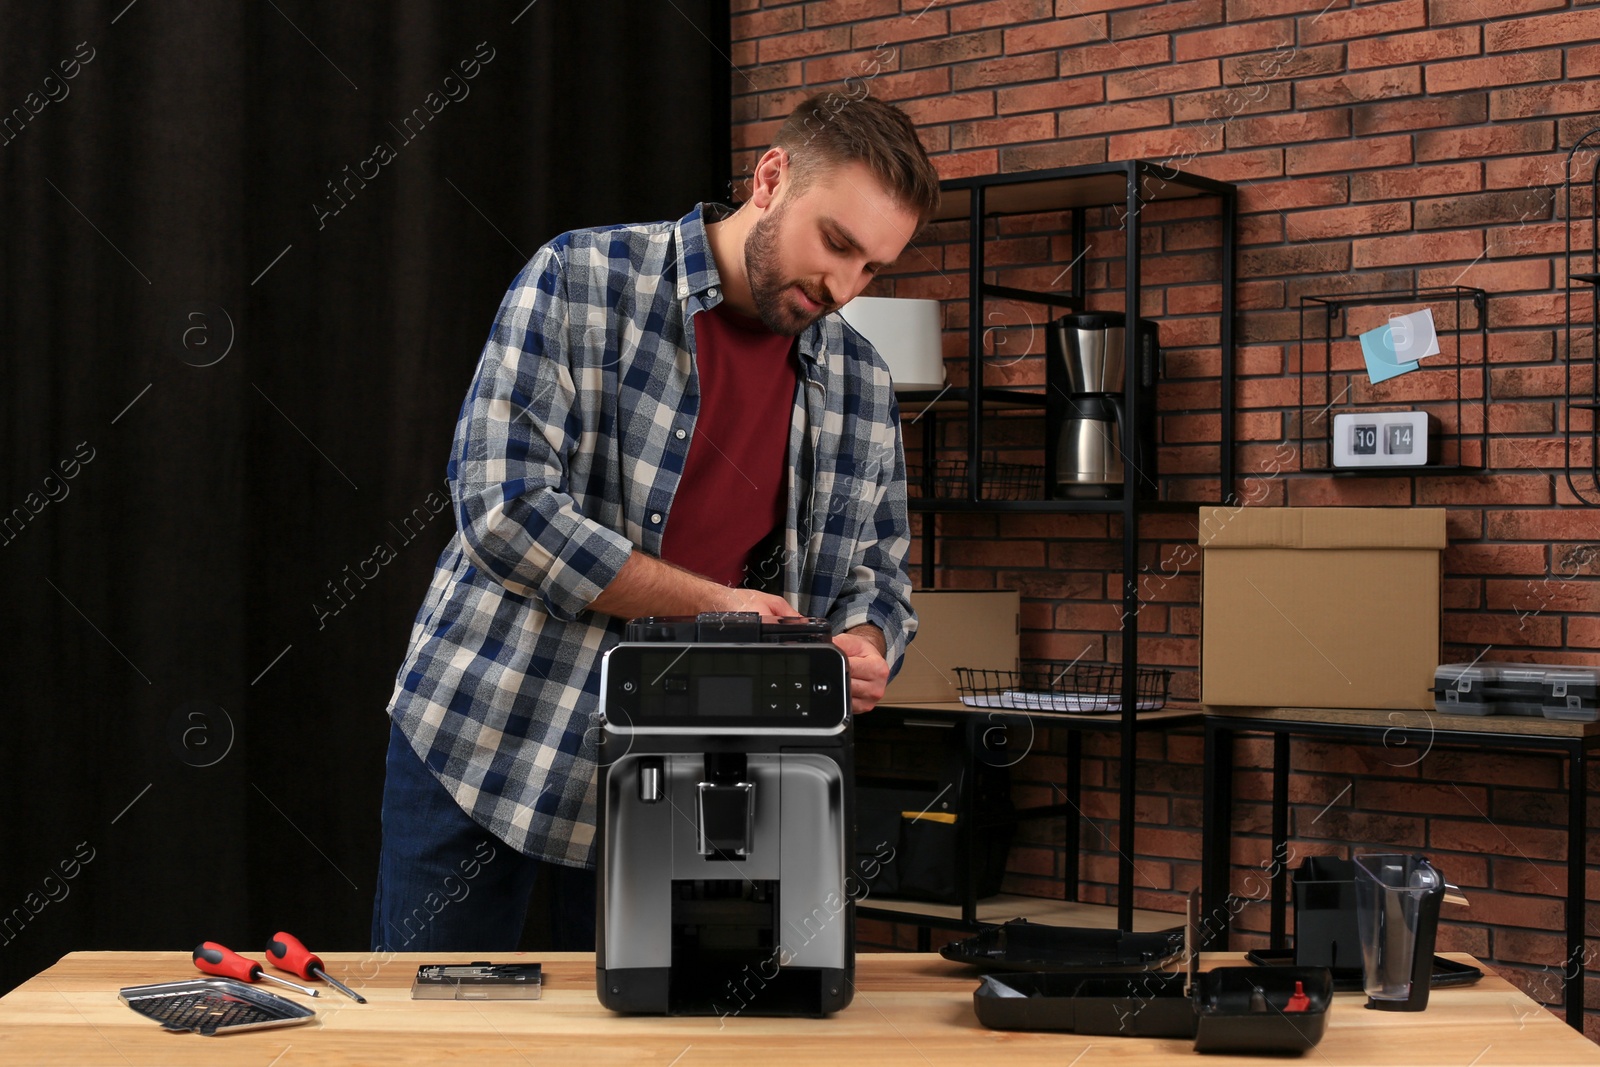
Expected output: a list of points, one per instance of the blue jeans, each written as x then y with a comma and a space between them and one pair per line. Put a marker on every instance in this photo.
445, 884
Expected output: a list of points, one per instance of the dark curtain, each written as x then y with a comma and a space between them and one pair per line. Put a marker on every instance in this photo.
251, 253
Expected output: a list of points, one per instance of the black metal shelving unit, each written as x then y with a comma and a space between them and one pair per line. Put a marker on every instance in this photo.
1583, 291
1126, 186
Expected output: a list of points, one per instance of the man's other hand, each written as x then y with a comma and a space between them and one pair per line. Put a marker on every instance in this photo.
869, 671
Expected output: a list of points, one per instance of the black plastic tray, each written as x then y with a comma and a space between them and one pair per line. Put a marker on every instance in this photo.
1023, 946
1445, 972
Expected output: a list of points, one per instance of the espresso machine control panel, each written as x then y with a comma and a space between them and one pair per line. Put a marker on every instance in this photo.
734, 687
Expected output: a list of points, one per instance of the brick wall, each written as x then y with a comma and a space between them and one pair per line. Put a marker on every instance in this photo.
1377, 146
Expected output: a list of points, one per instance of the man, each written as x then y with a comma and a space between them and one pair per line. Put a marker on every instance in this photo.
686, 371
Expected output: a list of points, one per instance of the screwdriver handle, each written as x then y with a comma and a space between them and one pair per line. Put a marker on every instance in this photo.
220, 960
288, 953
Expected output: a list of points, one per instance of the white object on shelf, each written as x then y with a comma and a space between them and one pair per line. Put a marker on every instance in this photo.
906, 334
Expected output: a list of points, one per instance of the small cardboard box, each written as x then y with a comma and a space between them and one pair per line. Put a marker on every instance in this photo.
956, 628
1320, 607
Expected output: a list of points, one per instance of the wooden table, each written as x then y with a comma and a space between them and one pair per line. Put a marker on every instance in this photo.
909, 1008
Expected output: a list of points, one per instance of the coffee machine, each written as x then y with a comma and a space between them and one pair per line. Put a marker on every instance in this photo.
1086, 407
726, 816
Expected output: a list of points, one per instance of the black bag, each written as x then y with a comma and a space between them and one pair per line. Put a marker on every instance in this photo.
908, 833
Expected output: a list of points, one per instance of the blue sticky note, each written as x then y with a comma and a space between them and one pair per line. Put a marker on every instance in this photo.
1377, 347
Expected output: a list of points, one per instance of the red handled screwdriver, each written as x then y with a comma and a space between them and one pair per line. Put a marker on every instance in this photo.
288, 954
213, 958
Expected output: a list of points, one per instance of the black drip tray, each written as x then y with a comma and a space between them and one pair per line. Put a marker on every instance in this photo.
1350, 980
1023, 946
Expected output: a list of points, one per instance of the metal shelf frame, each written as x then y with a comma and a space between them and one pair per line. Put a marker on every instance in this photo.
1126, 186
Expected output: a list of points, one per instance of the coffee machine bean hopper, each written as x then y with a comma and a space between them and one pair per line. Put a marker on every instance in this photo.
725, 819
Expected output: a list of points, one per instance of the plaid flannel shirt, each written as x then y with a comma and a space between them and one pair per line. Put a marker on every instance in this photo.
567, 454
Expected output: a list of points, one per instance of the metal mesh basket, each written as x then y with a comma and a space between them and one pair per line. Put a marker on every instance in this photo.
947, 480
1061, 686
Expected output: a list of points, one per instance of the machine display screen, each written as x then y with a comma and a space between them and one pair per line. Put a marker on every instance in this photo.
727, 695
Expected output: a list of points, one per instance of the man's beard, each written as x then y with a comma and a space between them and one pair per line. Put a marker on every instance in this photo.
774, 305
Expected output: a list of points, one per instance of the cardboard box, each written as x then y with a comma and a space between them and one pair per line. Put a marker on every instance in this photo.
957, 628
1320, 607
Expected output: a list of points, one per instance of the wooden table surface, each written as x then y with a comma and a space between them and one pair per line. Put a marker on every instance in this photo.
909, 1009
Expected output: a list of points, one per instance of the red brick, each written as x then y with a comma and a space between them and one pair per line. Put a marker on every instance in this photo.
1005, 70
1288, 129
1164, 18
999, 13
1336, 222
964, 164
873, 36
1294, 259
1480, 837
1424, 46
965, 135
1176, 145
1561, 99
1480, 209
1430, 798
1358, 88
1062, 33
771, 23
1246, 10
1162, 81
803, 45
1583, 633
1282, 64
1234, 39
1221, 105
913, 85
941, 109
1240, 166
1332, 156
831, 12
1416, 181
1492, 140
1525, 171
1487, 559
1442, 12
1462, 109
1116, 55
953, 49
1349, 492
1074, 92
1366, 21
1106, 118
1515, 34
1517, 69
1583, 62
1298, 192
1061, 154
1416, 248
1550, 594
1500, 277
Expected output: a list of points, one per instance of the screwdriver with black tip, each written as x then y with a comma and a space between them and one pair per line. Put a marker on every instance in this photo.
213, 958
288, 954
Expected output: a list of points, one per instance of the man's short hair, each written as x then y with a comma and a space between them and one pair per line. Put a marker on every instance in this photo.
830, 129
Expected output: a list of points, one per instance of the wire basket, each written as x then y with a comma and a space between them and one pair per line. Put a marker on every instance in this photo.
947, 480
1061, 686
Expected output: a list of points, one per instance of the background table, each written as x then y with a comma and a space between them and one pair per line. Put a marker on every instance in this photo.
1414, 731
910, 1008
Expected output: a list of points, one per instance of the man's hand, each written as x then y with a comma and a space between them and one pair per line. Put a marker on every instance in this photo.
869, 672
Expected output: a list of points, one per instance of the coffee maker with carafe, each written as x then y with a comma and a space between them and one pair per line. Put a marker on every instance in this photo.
1086, 406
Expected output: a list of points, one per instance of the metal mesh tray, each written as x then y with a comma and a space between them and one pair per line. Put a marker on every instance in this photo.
213, 1006
1059, 686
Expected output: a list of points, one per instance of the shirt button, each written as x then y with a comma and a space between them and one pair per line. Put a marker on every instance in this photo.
711, 293
656, 518
680, 434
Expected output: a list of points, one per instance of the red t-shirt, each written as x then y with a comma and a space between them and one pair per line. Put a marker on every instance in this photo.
732, 493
